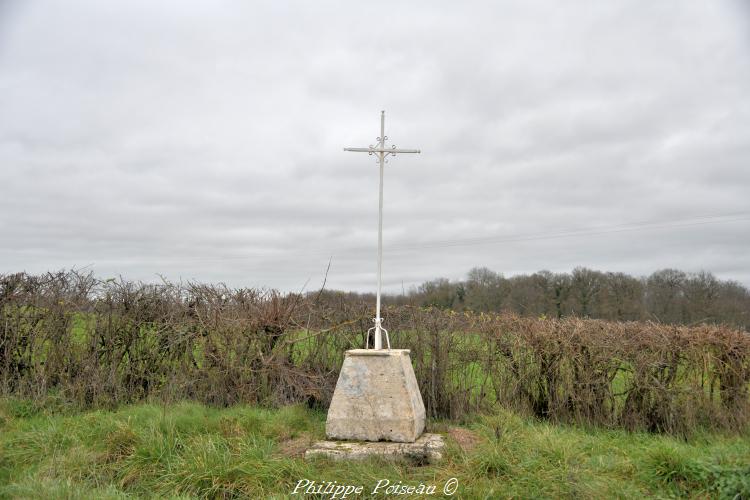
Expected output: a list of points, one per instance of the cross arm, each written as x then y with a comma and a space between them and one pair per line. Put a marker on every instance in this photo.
397, 150
382, 150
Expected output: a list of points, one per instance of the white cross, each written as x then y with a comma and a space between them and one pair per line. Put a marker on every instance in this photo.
381, 152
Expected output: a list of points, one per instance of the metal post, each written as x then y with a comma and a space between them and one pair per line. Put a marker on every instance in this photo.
378, 320
381, 152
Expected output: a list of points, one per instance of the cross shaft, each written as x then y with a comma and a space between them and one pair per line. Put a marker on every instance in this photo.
381, 151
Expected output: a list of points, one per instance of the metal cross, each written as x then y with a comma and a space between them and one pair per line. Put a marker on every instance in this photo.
381, 151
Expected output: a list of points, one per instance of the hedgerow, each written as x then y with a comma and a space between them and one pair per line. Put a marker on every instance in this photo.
101, 343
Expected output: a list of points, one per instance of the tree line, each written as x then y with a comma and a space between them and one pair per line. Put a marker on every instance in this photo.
666, 296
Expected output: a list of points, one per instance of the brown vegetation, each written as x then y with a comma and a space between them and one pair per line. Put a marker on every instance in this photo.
101, 343
466, 439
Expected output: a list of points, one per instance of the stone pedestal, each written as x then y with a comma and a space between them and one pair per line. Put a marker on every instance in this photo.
428, 448
376, 398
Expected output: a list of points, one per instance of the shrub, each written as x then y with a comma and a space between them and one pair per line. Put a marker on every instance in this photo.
96, 343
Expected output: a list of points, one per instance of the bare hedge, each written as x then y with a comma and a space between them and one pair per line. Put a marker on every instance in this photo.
102, 343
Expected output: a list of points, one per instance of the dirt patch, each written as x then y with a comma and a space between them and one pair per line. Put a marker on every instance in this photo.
295, 447
465, 438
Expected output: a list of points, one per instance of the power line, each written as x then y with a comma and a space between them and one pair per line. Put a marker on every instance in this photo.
698, 220
618, 228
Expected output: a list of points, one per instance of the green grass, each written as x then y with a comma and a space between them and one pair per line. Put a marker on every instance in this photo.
187, 450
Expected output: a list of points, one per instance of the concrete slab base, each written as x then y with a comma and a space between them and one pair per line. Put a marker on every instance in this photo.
428, 448
376, 398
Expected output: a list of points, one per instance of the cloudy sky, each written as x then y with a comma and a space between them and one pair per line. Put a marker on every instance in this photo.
203, 140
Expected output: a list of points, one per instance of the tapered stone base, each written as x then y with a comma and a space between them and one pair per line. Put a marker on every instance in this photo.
376, 398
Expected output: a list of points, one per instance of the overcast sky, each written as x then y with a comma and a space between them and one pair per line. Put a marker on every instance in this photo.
203, 140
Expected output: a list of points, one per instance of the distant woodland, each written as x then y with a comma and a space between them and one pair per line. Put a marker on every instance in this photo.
666, 296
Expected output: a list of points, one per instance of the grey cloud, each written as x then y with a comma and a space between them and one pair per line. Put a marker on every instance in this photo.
203, 140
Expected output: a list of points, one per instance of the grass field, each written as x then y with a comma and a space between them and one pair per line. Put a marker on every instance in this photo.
187, 450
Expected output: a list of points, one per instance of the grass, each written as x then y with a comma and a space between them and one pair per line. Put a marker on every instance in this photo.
187, 450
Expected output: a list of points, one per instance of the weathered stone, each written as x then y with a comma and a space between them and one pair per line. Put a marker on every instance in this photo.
428, 448
376, 398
